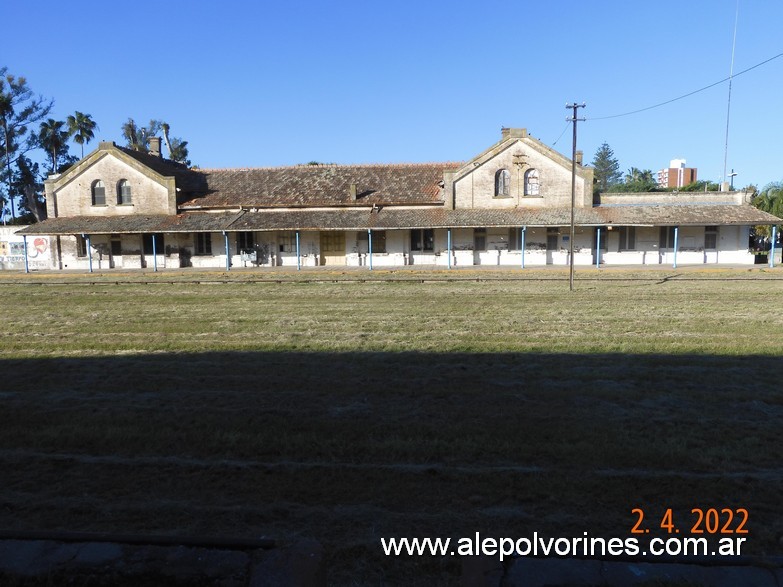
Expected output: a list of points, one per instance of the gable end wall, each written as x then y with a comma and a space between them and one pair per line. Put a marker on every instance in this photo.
75, 197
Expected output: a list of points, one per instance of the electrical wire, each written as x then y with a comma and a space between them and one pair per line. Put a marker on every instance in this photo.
728, 106
562, 133
724, 80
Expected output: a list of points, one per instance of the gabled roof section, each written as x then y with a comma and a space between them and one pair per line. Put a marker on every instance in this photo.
156, 168
511, 137
322, 185
188, 180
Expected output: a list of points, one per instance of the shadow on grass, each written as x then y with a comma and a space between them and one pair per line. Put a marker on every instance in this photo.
350, 447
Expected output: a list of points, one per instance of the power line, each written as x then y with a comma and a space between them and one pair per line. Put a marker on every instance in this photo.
728, 106
565, 128
689, 93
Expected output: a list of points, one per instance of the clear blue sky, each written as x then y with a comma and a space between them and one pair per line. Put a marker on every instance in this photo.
280, 83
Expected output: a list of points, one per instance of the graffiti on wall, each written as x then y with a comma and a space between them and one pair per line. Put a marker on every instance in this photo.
38, 253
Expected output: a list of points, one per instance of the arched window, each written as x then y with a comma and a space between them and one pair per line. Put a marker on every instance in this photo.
98, 193
531, 182
124, 192
502, 183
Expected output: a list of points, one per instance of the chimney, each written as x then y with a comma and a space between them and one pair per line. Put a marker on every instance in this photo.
518, 133
579, 156
352, 190
155, 147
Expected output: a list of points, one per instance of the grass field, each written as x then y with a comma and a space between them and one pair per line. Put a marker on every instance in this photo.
350, 410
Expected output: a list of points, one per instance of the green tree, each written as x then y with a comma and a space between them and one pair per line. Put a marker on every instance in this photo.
606, 168
178, 149
19, 108
770, 199
138, 137
700, 186
637, 180
54, 138
82, 128
27, 180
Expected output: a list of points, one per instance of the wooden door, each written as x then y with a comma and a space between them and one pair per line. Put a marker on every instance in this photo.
333, 248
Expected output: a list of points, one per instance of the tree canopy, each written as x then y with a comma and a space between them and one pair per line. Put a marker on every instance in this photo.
54, 138
19, 109
769, 199
82, 128
138, 139
606, 168
637, 180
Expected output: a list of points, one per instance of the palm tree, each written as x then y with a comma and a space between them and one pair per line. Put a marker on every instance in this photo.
632, 175
131, 134
769, 200
81, 127
53, 138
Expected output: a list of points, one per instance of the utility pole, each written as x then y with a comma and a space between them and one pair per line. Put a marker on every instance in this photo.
573, 119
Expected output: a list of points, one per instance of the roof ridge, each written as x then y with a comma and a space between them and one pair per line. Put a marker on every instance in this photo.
333, 166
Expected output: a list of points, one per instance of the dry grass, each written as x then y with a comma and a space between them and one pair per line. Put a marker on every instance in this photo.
351, 411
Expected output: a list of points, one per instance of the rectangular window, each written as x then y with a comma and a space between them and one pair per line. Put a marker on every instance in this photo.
98, 195
514, 239
666, 240
710, 238
627, 238
116, 246
81, 246
245, 240
479, 239
552, 238
378, 241
125, 194
203, 245
288, 242
146, 240
423, 240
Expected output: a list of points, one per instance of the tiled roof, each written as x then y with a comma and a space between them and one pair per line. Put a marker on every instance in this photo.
393, 218
686, 214
322, 185
188, 180
134, 223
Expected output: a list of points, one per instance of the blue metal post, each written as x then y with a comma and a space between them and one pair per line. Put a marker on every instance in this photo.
154, 253
523, 244
771, 247
298, 257
26, 263
369, 244
676, 245
228, 252
89, 249
448, 246
598, 249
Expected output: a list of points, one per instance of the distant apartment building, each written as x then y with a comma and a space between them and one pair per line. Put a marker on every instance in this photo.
676, 175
